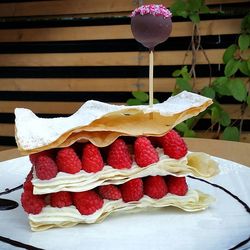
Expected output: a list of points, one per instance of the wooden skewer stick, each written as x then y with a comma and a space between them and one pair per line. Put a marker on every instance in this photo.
151, 78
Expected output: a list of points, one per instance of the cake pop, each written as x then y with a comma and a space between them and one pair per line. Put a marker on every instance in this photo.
151, 25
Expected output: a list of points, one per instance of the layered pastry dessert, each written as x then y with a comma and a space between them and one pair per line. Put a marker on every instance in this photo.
107, 159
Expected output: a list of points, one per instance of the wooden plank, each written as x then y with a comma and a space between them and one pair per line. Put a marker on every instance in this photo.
208, 27
3, 150
7, 129
234, 110
207, 2
9, 153
69, 7
244, 137
40, 107
234, 151
71, 107
110, 58
65, 7
95, 84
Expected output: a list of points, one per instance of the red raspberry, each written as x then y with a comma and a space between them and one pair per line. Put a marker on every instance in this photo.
92, 161
173, 145
87, 202
60, 199
177, 185
34, 157
27, 185
45, 167
118, 155
145, 153
155, 187
32, 204
68, 161
132, 190
110, 192
30, 174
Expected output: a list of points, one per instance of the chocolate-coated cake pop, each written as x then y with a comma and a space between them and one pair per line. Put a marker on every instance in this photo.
151, 24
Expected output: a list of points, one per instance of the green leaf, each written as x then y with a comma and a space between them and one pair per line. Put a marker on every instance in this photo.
208, 92
248, 100
190, 121
176, 73
184, 73
155, 101
182, 127
195, 18
140, 95
244, 68
248, 64
231, 134
184, 69
220, 85
243, 41
133, 102
231, 67
229, 53
189, 133
215, 111
238, 89
194, 5
245, 24
183, 84
224, 119
215, 114
176, 91
178, 8
182, 13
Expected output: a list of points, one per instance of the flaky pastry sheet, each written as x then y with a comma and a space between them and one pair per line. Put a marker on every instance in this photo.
69, 216
101, 123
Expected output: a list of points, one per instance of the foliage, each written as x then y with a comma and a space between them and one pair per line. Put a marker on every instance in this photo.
140, 98
236, 59
190, 9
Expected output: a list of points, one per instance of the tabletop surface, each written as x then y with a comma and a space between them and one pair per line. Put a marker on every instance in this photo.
234, 151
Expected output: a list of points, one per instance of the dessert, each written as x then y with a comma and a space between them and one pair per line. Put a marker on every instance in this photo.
151, 25
106, 159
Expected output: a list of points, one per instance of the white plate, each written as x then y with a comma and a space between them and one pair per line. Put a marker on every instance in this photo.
222, 226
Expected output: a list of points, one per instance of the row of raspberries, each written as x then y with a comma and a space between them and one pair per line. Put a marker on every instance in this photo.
87, 202
91, 158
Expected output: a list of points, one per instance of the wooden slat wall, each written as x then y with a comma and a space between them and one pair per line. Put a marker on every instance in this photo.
78, 84
180, 29
56, 54
108, 59
69, 7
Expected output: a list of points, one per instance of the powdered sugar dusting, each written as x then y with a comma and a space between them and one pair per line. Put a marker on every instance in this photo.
153, 9
34, 132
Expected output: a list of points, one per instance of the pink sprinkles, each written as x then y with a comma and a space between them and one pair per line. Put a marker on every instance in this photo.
153, 9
